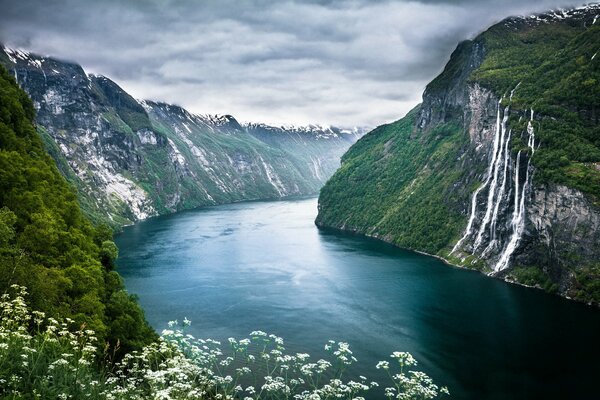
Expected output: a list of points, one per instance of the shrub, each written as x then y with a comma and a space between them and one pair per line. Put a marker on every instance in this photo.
41, 357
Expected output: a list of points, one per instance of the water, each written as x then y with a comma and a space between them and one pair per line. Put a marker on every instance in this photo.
264, 265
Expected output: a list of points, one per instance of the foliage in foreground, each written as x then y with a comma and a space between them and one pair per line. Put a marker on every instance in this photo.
41, 357
47, 244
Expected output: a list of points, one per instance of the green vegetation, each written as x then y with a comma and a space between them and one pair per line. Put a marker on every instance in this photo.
396, 183
130, 114
87, 201
587, 284
48, 245
231, 166
454, 69
41, 357
534, 276
561, 82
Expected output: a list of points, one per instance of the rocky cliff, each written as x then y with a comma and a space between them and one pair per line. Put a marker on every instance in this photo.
133, 159
497, 169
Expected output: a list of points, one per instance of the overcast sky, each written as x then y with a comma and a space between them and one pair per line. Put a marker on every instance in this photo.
332, 62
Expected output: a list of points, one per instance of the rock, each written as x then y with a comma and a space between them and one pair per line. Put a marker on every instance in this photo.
133, 159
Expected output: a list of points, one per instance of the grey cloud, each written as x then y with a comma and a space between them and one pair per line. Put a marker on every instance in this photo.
359, 62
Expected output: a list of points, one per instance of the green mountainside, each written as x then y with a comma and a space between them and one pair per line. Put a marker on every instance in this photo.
559, 77
499, 168
389, 184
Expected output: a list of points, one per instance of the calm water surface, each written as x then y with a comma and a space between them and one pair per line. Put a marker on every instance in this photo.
264, 265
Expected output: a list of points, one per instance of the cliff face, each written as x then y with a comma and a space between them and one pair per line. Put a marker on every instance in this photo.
502, 156
46, 243
132, 159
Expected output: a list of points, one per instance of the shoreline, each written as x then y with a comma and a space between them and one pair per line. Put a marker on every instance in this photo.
448, 263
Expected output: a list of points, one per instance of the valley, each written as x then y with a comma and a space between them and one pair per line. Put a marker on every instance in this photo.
232, 268
153, 251
130, 159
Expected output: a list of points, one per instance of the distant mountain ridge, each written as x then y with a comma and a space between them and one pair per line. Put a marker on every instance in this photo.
133, 159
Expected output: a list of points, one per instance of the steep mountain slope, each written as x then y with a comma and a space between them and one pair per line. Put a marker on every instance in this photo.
306, 143
132, 159
47, 244
499, 168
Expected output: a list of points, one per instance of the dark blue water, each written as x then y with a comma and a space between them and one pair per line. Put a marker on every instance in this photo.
265, 266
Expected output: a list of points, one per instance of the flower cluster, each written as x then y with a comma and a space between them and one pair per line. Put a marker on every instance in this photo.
42, 356
407, 384
51, 359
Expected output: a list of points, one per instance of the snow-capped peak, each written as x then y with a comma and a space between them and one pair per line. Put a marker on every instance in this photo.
585, 12
14, 55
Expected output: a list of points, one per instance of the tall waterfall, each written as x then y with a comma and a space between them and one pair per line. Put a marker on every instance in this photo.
471, 219
497, 183
502, 187
487, 181
518, 219
530, 131
492, 195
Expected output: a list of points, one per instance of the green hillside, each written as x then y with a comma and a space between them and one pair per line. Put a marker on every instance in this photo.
392, 184
411, 182
560, 80
47, 245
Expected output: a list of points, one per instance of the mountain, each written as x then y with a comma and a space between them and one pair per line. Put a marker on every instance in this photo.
498, 169
48, 245
131, 159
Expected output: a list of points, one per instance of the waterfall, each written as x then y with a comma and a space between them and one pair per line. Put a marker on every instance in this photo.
45, 78
530, 131
512, 92
487, 180
518, 218
471, 220
517, 169
502, 189
497, 181
518, 225
492, 196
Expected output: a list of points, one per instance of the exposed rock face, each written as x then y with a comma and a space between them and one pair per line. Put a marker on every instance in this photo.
512, 221
447, 96
98, 150
471, 148
133, 159
561, 223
